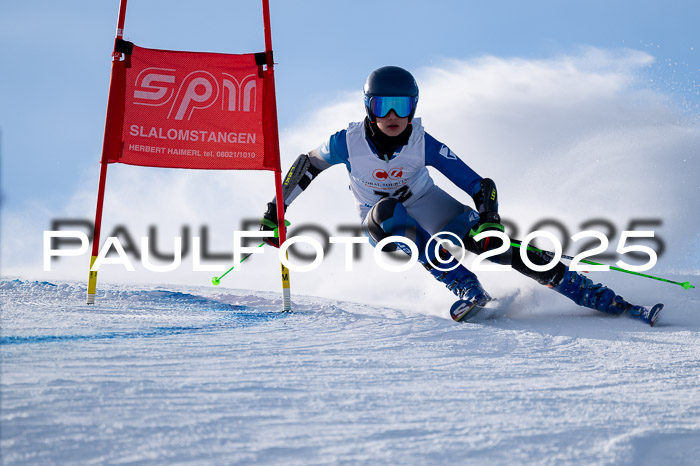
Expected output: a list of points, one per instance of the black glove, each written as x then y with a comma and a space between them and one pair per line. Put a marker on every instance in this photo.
269, 223
486, 200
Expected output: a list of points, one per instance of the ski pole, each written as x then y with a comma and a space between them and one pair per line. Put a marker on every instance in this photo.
685, 285
216, 280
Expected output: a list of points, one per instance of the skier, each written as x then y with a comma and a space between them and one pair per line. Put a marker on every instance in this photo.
386, 156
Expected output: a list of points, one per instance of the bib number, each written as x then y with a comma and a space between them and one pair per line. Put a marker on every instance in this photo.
402, 194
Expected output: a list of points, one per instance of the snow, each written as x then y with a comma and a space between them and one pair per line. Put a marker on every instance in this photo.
195, 375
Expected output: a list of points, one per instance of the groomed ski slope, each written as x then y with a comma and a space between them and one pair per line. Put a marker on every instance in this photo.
219, 376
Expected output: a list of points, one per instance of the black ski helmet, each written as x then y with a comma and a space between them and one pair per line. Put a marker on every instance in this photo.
390, 81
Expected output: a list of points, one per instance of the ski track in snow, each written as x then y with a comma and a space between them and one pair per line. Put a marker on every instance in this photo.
204, 375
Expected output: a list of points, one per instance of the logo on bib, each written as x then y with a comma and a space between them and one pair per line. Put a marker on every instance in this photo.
393, 174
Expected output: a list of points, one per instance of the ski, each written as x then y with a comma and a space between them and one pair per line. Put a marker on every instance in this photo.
646, 314
463, 310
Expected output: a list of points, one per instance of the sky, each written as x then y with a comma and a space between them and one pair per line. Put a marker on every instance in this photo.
539, 87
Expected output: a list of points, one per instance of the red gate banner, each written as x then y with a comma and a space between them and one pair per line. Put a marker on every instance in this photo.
190, 110
193, 110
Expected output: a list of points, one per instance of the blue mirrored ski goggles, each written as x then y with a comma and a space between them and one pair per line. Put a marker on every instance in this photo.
380, 106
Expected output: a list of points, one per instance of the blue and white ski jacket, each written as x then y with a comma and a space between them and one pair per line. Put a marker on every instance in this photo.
404, 176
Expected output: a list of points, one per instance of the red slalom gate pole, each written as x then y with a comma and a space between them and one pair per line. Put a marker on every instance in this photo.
272, 135
111, 142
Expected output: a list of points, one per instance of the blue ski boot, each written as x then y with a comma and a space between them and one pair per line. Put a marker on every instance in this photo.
582, 291
460, 280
